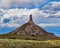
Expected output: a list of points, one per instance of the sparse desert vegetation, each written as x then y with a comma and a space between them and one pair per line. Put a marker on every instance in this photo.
17, 43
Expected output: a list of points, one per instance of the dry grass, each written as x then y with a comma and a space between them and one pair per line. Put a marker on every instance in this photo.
16, 43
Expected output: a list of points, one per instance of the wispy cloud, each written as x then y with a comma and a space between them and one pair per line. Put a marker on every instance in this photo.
6, 4
49, 25
18, 17
52, 6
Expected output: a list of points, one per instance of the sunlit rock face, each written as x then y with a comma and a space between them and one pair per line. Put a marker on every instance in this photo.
30, 28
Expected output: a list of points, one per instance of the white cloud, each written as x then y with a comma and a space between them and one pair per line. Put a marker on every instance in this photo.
49, 25
18, 17
9, 25
21, 3
52, 6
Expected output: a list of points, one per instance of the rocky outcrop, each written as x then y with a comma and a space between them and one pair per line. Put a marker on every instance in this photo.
31, 28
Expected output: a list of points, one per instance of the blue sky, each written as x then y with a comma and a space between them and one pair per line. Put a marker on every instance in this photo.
14, 13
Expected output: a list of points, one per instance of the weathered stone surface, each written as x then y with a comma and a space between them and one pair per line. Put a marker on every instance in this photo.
32, 29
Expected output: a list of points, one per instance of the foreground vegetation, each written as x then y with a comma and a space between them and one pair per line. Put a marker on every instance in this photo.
28, 37
17, 43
